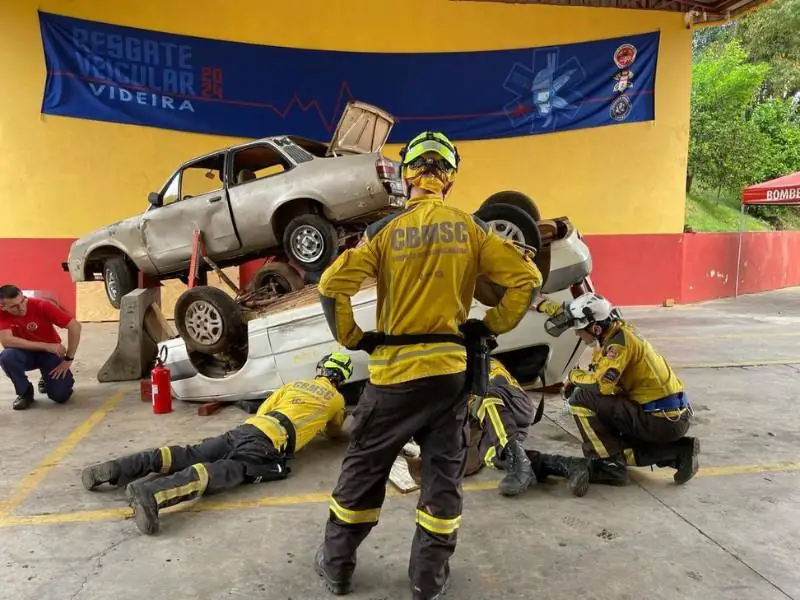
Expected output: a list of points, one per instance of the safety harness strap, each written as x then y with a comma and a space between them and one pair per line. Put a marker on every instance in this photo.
408, 339
291, 434
673, 402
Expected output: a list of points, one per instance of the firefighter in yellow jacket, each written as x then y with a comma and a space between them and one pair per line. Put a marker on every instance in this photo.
629, 405
425, 260
500, 423
256, 451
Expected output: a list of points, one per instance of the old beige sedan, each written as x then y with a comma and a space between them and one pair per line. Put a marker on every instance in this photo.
276, 194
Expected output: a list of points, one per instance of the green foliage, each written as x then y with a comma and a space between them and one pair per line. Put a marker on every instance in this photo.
771, 35
723, 145
745, 113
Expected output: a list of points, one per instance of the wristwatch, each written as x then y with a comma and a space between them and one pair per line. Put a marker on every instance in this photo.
68, 358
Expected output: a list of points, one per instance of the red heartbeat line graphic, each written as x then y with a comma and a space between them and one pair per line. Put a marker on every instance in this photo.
327, 123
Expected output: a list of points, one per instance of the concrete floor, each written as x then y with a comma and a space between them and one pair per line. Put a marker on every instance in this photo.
731, 533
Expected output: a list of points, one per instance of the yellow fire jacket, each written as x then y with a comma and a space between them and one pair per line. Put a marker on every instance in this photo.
627, 364
312, 406
498, 373
426, 260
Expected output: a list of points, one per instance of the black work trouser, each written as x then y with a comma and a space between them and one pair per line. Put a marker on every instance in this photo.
616, 426
433, 411
505, 414
241, 455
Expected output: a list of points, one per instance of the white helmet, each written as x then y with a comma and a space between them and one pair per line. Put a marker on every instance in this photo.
580, 313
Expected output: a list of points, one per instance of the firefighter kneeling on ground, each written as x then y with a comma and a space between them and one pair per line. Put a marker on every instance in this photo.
629, 405
499, 427
256, 451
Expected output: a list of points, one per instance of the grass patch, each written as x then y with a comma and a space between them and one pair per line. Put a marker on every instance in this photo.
705, 213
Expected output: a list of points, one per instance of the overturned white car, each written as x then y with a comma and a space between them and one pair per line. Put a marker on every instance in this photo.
284, 341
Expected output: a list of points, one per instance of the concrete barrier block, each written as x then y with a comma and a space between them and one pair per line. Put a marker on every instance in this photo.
136, 350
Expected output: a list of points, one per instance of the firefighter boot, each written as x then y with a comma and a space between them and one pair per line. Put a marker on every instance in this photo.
686, 462
148, 495
519, 471
337, 586
608, 471
107, 472
144, 505
575, 470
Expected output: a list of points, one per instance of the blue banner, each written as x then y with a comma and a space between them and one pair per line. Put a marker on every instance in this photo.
125, 75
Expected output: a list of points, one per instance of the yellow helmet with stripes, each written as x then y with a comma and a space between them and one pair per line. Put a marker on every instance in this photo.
335, 366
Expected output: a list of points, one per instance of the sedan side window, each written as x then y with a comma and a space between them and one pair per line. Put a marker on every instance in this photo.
257, 162
202, 177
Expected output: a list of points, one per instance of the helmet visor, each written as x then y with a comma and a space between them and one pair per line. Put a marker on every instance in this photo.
558, 324
435, 143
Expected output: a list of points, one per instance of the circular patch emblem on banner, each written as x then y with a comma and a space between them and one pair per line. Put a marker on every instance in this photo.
624, 56
620, 108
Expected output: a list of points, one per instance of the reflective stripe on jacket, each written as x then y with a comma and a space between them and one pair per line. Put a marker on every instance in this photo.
425, 261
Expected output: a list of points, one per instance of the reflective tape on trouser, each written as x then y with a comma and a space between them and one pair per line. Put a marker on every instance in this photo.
489, 407
488, 458
436, 524
166, 460
582, 415
630, 457
187, 491
354, 517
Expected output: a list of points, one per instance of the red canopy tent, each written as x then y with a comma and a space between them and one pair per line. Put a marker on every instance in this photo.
783, 191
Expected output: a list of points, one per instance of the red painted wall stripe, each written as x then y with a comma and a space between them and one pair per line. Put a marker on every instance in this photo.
35, 264
692, 267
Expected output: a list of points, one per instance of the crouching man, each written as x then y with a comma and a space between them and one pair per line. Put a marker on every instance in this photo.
255, 451
30, 341
499, 427
629, 405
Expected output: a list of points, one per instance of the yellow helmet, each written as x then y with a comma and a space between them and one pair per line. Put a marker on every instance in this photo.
430, 161
335, 366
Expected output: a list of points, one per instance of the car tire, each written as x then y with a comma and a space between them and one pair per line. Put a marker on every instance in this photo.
283, 276
311, 241
525, 229
208, 320
517, 199
512, 222
119, 279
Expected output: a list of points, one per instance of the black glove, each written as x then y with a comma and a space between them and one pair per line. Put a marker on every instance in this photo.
567, 390
369, 341
474, 329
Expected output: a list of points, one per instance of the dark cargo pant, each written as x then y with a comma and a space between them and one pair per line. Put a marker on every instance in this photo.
615, 426
433, 411
504, 414
241, 455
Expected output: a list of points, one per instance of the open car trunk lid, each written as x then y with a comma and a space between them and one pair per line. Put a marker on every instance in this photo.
362, 129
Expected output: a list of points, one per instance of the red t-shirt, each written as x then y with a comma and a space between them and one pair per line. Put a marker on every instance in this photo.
37, 324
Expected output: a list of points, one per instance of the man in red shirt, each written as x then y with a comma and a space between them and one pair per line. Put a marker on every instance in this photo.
30, 341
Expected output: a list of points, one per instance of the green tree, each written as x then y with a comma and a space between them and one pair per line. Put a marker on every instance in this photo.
771, 34
724, 147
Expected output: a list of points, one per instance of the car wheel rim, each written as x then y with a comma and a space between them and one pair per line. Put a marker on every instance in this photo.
307, 243
203, 322
507, 229
111, 284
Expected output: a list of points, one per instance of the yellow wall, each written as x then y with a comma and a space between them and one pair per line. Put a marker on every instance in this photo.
62, 177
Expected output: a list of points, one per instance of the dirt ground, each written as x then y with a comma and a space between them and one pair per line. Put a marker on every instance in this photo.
730, 534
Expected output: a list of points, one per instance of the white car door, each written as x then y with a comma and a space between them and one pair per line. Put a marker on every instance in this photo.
300, 337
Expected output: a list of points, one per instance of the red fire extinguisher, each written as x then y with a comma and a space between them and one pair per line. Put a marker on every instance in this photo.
160, 384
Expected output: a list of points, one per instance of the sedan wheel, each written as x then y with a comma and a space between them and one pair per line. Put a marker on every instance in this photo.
203, 322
